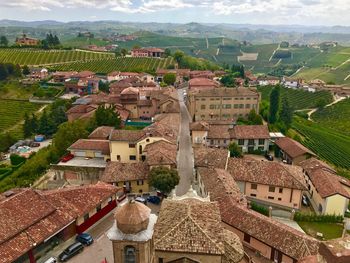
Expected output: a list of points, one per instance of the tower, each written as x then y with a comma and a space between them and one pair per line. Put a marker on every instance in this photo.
132, 232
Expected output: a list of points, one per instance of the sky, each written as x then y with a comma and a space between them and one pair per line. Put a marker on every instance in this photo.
272, 12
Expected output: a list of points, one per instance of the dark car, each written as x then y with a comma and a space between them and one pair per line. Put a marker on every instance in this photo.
71, 251
85, 239
269, 157
153, 199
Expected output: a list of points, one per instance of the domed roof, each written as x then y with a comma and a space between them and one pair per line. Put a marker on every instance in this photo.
132, 217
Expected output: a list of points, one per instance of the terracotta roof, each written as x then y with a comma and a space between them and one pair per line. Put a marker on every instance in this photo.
113, 74
82, 109
91, 144
132, 217
199, 126
210, 157
289, 241
29, 217
250, 132
202, 82
292, 147
101, 133
84, 74
126, 135
121, 172
325, 180
225, 92
264, 172
218, 132
130, 90
161, 153
189, 226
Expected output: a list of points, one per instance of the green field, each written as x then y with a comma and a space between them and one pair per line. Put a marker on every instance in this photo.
336, 116
298, 99
329, 230
327, 143
120, 63
42, 57
13, 111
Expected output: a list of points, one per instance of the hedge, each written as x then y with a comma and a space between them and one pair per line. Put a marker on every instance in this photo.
311, 217
259, 208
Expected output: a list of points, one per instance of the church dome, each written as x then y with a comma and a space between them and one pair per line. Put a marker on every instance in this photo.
132, 217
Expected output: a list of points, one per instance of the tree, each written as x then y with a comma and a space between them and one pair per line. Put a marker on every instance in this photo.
254, 118
286, 114
103, 86
3, 72
274, 104
68, 133
17, 71
164, 179
58, 116
321, 103
167, 52
136, 47
3, 41
235, 150
27, 128
169, 78
107, 116
178, 56
124, 51
25, 70
46, 124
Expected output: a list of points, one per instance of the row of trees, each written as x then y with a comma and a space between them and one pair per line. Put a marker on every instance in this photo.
193, 63
48, 122
4, 41
9, 70
51, 41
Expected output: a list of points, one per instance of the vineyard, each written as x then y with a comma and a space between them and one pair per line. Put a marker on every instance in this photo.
298, 99
328, 144
336, 116
120, 64
44, 57
13, 111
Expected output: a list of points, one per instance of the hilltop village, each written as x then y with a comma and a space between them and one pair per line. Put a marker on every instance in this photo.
170, 165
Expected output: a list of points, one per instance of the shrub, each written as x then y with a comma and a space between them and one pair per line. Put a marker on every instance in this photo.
259, 208
312, 217
16, 159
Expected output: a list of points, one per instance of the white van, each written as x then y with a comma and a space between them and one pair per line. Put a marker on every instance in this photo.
51, 260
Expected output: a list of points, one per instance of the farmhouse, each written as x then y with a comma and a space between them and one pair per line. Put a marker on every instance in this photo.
27, 41
202, 84
151, 52
222, 103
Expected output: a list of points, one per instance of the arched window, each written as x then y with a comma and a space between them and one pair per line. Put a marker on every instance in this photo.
129, 254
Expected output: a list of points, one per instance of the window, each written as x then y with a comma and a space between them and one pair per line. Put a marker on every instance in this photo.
241, 106
253, 195
118, 157
212, 106
280, 190
235, 106
160, 260
139, 182
132, 157
246, 238
240, 141
261, 141
86, 217
98, 208
147, 140
110, 200
226, 106
271, 189
247, 106
251, 142
270, 197
203, 99
279, 198
253, 186
131, 145
202, 107
129, 254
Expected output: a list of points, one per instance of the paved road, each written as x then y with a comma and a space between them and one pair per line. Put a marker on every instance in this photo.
185, 153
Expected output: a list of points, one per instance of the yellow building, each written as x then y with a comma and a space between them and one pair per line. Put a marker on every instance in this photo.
133, 177
326, 189
222, 103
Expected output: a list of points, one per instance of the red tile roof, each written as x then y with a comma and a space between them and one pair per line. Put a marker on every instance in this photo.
250, 132
222, 188
210, 157
92, 145
265, 172
202, 82
292, 147
126, 135
121, 172
199, 126
161, 153
101, 133
324, 179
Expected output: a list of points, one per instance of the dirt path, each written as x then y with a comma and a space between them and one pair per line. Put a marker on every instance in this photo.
273, 53
336, 100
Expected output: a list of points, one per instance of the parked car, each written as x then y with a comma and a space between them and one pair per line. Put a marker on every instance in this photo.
51, 260
153, 199
141, 200
269, 157
305, 200
67, 157
35, 144
71, 251
85, 239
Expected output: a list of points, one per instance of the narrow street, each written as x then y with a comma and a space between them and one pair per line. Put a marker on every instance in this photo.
185, 154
